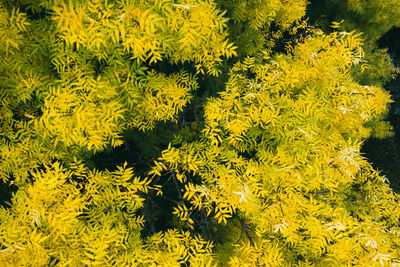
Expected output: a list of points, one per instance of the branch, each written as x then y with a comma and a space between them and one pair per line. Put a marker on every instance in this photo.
245, 230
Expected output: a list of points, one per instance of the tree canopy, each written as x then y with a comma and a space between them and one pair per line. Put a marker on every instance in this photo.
237, 126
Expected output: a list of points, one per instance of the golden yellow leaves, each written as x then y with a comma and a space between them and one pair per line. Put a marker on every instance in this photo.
162, 99
54, 204
280, 146
223, 211
240, 109
174, 248
13, 24
150, 33
201, 26
258, 13
180, 34
283, 147
263, 253
183, 213
252, 30
72, 117
49, 203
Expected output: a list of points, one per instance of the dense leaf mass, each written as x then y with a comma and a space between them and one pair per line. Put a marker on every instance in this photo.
238, 127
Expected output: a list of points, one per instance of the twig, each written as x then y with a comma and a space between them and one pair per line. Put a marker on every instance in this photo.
177, 187
245, 230
170, 199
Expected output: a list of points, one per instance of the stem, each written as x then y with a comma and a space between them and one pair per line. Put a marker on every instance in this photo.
245, 230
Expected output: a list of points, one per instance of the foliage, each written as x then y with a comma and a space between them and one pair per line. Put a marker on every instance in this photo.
380, 67
255, 25
265, 165
75, 75
372, 17
98, 81
280, 148
77, 216
376, 17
